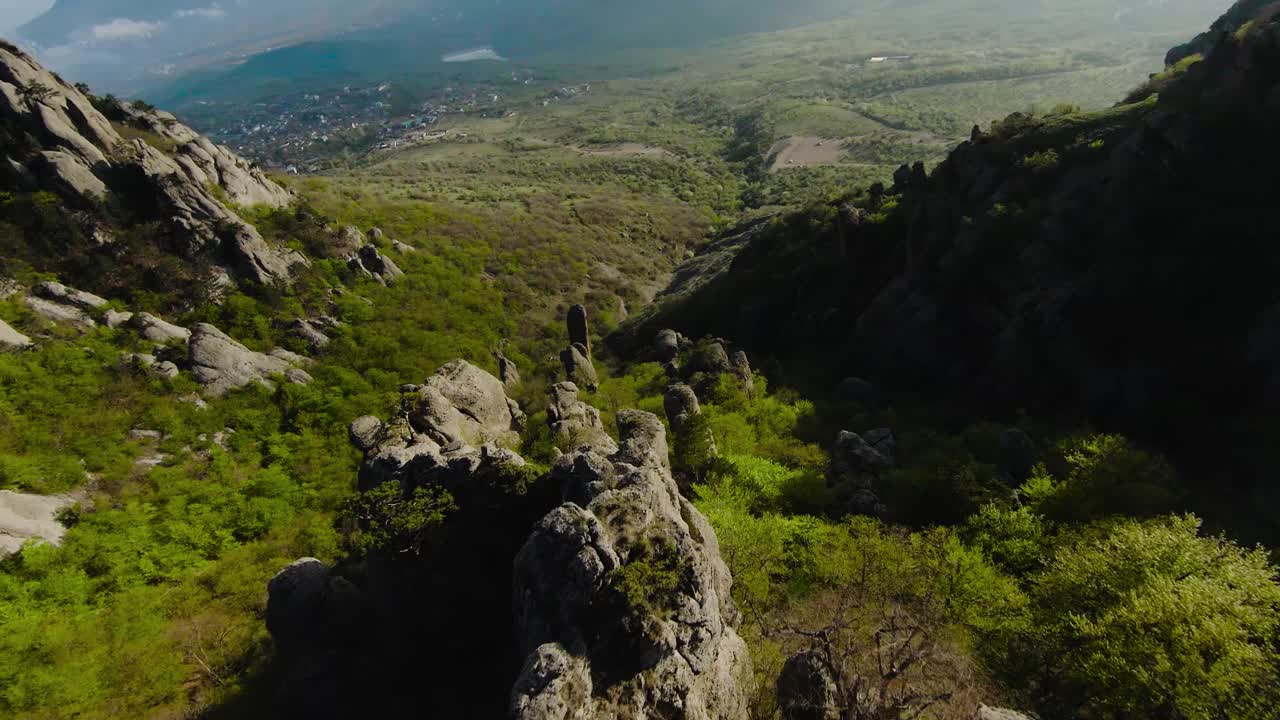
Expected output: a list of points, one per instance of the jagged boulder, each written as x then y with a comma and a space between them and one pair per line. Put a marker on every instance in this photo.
576, 424
593, 651
380, 264
222, 364
807, 689
680, 404
667, 345
508, 372
309, 333
579, 331
364, 432
855, 469
116, 319
26, 517
462, 403
11, 339
82, 157
578, 368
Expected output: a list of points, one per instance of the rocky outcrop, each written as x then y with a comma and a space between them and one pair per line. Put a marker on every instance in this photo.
310, 333
579, 332
857, 462
807, 689
157, 330
574, 423
26, 517
59, 293
990, 713
680, 404
365, 432
592, 650
455, 427
578, 368
81, 156
508, 372
58, 313
222, 364
370, 264
11, 339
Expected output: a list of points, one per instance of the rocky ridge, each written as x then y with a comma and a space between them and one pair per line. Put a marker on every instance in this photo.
69, 147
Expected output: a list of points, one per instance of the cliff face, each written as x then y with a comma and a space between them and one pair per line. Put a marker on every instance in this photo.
1116, 268
134, 168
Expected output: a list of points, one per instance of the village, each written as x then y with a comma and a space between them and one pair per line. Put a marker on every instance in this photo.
307, 132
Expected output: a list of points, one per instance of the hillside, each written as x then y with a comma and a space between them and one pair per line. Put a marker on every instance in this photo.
1104, 267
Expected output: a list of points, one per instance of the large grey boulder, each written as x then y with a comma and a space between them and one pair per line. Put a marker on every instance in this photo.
508, 372
307, 606
591, 652
68, 175
58, 313
807, 689
462, 403
576, 424
222, 364
156, 330
364, 432
309, 333
667, 345
26, 517
856, 467
578, 368
990, 713
452, 434
11, 339
680, 404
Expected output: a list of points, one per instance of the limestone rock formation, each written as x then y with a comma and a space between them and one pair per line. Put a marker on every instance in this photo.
59, 313
508, 372
222, 364
579, 332
365, 431
856, 465
82, 157
310, 333
26, 517
575, 423
367, 262
157, 330
454, 429
680, 404
667, 345
578, 368
11, 339
591, 651
59, 293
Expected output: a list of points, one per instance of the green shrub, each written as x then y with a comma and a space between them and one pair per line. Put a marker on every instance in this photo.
1100, 476
1151, 619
